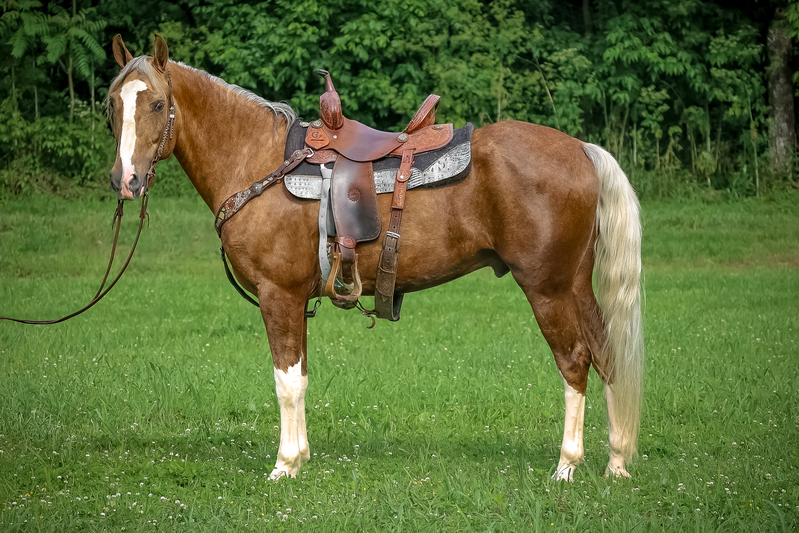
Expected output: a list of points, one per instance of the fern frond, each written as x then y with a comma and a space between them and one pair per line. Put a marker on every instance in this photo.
55, 46
80, 60
19, 43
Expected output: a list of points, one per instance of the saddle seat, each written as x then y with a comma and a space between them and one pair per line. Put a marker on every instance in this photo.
352, 147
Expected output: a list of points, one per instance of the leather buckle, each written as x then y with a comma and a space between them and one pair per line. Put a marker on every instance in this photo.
396, 237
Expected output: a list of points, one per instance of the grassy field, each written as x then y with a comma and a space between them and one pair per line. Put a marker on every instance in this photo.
156, 410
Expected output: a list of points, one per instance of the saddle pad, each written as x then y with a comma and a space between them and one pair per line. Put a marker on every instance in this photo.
430, 169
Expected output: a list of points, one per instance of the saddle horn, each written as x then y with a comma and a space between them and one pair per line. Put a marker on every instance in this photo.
330, 104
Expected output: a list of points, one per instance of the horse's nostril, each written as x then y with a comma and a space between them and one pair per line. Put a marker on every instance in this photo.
134, 182
113, 185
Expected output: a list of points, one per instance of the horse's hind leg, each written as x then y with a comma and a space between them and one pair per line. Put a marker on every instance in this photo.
559, 318
594, 331
283, 315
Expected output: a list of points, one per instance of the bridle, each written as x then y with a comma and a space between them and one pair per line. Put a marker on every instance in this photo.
169, 130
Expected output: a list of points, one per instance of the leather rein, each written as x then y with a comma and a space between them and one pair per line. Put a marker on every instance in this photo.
117, 220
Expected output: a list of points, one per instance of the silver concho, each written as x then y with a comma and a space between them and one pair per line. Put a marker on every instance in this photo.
241, 197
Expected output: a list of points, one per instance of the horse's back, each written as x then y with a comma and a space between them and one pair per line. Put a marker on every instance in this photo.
534, 159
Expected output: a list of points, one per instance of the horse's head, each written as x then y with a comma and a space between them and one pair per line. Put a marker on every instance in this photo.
139, 101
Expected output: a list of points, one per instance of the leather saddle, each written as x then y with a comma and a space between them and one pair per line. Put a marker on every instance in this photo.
353, 148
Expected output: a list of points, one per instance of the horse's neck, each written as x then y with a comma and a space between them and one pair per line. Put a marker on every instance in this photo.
225, 142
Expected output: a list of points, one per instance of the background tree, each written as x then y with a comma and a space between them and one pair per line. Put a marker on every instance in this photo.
782, 128
682, 92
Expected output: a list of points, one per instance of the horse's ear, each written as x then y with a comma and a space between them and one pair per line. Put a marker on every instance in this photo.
161, 53
121, 53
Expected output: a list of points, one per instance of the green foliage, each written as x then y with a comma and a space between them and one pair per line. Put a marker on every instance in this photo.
82, 151
75, 35
665, 85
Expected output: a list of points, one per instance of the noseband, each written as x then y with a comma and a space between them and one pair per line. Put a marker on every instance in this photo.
117, 220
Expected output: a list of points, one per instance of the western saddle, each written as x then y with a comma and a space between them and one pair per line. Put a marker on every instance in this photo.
353, 148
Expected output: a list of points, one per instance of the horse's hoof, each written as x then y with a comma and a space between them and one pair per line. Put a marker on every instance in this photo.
618, 471
278, 473
564, 473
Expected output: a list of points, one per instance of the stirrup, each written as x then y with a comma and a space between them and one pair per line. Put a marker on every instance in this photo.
330, 287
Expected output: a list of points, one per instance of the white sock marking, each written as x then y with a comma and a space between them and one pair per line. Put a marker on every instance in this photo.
616, 462
127, 141
290, 387
571, 450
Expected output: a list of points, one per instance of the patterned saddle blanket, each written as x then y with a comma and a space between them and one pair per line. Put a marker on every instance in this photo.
437, 168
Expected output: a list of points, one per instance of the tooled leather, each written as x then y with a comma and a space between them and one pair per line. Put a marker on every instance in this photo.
356, 141
322, 156
345, 242
354, 200
425, 116
330, 106
427, 139
317, 138
401, 184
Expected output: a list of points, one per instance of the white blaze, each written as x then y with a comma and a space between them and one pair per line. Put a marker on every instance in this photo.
127, 141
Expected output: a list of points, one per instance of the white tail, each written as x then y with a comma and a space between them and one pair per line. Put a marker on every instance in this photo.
618, 286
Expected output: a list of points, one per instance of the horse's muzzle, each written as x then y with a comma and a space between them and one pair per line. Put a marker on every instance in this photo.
130, 187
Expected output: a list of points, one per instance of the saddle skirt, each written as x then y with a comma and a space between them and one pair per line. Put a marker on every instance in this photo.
436, 168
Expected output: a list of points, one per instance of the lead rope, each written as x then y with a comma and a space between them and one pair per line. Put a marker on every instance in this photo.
100, 292
169, 130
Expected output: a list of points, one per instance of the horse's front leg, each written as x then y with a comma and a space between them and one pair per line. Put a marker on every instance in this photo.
284, 316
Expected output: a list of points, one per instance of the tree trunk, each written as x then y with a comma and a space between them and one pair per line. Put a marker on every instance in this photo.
71, 90
91, 85
35, 97
782, 129
620, 145
500, 85
69, 70
718, 138
587, 16
753, 137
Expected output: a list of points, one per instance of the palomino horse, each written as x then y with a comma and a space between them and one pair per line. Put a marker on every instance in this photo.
539, 204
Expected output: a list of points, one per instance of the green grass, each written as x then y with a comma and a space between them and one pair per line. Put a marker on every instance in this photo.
156, 410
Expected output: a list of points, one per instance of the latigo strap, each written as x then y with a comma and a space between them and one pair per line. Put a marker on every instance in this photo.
385, 304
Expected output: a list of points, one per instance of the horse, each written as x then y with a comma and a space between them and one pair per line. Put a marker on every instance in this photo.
544, 206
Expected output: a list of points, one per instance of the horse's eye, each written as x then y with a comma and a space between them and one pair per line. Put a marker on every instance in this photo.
158, 106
